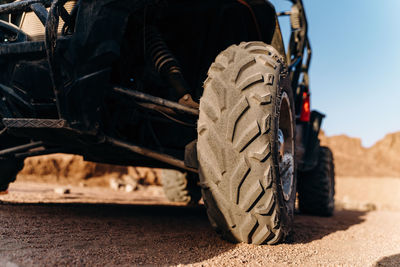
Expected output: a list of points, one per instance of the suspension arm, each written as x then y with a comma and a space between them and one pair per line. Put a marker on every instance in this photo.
157, 100
151, 154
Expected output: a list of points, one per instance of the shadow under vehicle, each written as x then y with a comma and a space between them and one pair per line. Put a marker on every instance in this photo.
203, 86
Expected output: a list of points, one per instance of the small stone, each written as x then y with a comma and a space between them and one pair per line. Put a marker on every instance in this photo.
114, 184
370, 207
129, 188
62, 191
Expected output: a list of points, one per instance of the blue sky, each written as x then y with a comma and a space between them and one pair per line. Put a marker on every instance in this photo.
355, 71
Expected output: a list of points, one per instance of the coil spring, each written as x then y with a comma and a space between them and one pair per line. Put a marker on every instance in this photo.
162, 58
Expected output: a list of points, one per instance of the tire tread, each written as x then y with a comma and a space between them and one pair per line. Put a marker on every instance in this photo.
235, 200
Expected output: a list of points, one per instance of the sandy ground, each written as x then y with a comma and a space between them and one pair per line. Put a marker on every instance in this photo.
99, 226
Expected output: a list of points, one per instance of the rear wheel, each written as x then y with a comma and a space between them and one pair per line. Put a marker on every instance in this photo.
180, 187
246, 145
317, 187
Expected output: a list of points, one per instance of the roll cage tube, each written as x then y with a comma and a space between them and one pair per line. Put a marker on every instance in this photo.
54, 44
299, 54
50, 20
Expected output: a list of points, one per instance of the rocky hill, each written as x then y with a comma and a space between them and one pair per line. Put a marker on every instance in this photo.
73, 170
352, 159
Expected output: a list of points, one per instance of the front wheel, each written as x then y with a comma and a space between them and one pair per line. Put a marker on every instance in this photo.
9, 169
246, 145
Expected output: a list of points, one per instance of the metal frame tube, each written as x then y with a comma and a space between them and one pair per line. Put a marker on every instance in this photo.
41, 12
21, 6
151, 154
157, 100
42, 152
22, 148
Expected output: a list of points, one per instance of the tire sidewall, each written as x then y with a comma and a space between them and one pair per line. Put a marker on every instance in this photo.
286, 207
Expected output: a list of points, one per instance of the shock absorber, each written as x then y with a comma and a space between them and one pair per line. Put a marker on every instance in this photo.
167, 65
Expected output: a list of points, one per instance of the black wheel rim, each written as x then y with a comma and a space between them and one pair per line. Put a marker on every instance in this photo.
286, 147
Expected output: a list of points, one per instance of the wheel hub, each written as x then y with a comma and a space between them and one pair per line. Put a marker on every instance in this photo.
286, 147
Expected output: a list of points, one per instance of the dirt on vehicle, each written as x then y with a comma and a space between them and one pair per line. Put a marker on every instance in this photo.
208, 89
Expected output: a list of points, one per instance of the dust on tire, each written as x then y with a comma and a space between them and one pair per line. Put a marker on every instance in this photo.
237, 148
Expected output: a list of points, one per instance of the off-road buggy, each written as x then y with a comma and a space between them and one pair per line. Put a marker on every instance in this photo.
202, 86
